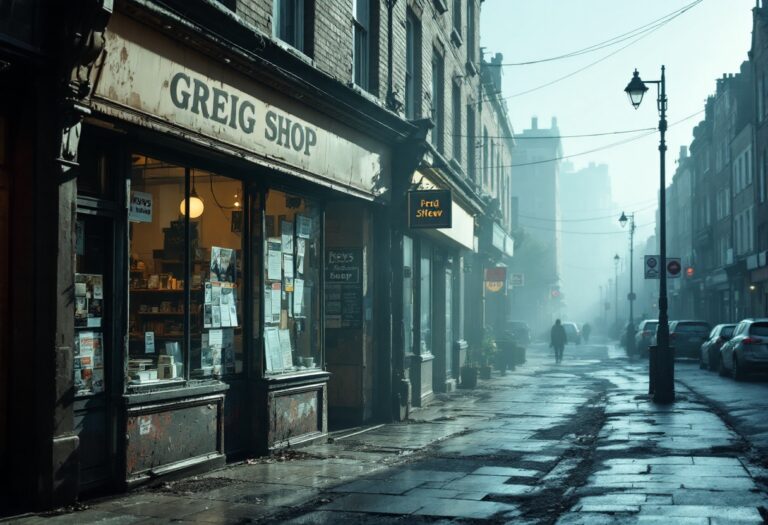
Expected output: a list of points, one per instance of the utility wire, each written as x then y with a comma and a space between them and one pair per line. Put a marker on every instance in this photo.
601, 148
618, 232
584, 68
611, 216
611, 41
521, 137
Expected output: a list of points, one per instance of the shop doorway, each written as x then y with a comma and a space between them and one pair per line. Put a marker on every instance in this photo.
94, 345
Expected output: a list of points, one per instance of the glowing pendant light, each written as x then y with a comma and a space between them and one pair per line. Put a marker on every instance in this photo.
196, 205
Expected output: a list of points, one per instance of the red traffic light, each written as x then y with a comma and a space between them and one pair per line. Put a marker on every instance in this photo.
555, 293
689, 271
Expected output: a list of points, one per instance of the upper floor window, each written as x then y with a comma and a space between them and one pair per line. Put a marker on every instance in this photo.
456, 109
471, 55
457, 16
362, 22
412, 62
438, 100
471, 140
289, 23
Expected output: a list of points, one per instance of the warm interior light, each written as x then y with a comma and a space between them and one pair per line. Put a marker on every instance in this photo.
196, 206
237, 201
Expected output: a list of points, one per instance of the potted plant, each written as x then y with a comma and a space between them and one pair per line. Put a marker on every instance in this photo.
487, 356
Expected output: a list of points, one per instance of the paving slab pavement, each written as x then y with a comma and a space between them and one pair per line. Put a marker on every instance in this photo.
575, 443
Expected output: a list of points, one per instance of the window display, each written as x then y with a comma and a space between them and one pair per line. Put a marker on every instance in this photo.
159, 250
91, 236
291, 284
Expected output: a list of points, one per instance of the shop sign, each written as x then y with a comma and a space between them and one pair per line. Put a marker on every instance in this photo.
163, 82
430, 208
495, 278
140, 207
344, 287
517, 280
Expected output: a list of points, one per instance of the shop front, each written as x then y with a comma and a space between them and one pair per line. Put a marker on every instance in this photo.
214, 307
441, 233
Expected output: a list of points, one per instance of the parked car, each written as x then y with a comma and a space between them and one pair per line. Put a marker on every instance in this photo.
709, 356
747, 351
572, 333
520, 331
644, 335
686, 337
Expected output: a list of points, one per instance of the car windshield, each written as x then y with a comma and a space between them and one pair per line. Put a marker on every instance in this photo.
727, 331
692, 327
650, 326
759, 329
569, 328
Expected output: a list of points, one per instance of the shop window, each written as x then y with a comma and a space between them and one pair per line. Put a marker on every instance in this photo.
438, 109
291, 291
179, 327
425, 299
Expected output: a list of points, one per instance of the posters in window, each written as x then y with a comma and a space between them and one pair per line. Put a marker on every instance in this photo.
222, 264
274, 259
140, 209
303, 226
89, 299
286, 234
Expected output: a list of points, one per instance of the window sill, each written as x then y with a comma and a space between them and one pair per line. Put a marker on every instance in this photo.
172, 390
456, 38
471, 68
285, 46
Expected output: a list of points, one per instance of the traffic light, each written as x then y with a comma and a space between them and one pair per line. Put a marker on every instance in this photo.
689, 271
554, 292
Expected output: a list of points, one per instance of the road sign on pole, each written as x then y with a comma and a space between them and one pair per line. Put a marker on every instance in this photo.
651, 268
673, 267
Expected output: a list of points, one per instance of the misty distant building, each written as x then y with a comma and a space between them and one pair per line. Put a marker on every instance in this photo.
588, 215
535, 181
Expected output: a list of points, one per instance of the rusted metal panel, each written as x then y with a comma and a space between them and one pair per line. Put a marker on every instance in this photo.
296, 414
160, 435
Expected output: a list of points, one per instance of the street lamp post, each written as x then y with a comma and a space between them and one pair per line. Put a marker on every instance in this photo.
616, 292
631, 330
661, 376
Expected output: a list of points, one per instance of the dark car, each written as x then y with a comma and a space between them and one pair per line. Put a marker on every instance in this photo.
747, 351
709, 357
686, 337
520, 332
644, 335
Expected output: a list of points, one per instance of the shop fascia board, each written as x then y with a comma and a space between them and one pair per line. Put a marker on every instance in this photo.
258, 56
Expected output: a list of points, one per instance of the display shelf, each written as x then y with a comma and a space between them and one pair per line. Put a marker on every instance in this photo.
159, 314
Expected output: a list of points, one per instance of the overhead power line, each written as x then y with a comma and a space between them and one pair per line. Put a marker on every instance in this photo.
588, 219
617, 232
577, 136
591, 64
611, 41
601, 148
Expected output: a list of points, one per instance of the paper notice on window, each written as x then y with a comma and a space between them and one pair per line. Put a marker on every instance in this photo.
272, 349
208, 292
216, 293
298, 296
300, 249
232, 315
274, 259
288, 265
216, 317
268, 305
216, 337
149, 342
276, 298
225, 320
85, 342
285, 348
286, 236
97, 281
303, 226
207, 316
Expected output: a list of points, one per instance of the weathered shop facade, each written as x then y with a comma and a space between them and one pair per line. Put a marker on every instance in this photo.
222, 297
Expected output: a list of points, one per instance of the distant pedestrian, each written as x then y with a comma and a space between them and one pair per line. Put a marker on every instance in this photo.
585, 331
557, 339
